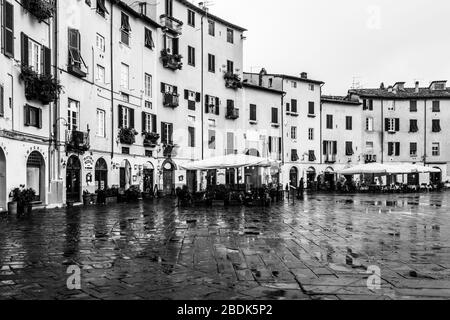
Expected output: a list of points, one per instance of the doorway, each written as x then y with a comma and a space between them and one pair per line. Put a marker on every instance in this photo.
101, 174
73, 179
125, 175
3, 192
169, 178
36, 175
191, 180
293, 177
149, 172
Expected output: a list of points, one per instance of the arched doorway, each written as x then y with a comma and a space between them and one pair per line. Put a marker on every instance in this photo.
230, 176
101, 174
168, 169
36, 174
73, 179
149, 171
436, 177
252, 152
311, 177
125, 175
2, 181
329, 177
293, 177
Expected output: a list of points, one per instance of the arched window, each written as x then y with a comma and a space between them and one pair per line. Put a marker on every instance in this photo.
101, 174
36, 174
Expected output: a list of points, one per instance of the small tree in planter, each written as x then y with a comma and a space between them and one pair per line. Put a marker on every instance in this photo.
127, 135
24, 198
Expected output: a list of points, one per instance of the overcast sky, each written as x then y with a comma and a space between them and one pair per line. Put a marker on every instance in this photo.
342, 41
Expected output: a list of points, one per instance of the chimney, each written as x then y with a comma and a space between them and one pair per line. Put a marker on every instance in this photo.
262, 73
382, 86
304, 75
417, 87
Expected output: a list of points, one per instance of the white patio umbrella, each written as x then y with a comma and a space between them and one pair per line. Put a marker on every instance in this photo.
228, 162
370, 168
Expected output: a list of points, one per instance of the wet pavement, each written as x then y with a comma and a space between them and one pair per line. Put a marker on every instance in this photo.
319, 248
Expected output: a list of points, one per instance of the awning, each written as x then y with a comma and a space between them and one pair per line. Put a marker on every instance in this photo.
228, 162
387, 169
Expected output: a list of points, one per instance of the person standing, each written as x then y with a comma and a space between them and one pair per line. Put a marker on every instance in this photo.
301, 189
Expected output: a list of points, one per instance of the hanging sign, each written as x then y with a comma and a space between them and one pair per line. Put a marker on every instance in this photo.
88, 163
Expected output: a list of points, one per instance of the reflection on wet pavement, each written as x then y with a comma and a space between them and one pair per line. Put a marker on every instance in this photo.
319, 248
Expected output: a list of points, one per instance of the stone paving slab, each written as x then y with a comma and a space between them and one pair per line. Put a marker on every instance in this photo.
319, 248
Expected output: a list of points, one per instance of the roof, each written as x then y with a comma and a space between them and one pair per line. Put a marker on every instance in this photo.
211, 16
340, 100
135, 13
256, 87
407, 93
289, 77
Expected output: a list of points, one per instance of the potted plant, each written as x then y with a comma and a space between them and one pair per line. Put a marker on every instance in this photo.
89, 198
23, 199
127, 135
43, 88
12, 205
133, 194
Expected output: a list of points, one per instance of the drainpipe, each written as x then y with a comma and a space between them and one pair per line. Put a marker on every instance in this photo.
202, 102
320, 127
111, 42
425, 134
382, 131
57, 104
282, 122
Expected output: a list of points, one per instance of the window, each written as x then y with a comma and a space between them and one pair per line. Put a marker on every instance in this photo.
166, 133
329, 148
171, 45
212, 139
100, 74
149, 122
311, 155
211, 63
230, 36
348, 123
212, 105
369, 146
125, 97
394, 149
329, 121
392, 125
390, 105
148, 85
124, 76
368, 104
211, 28
436, 125
149, 43
2, 105
311, 111
230, 66
75, 58
100, 123
8, 29
101, 8
294, 155
191, 18
33, 116
191, 56
294, 133
125, 150
125, 29
100, 43
73, 115
413, 106
191, 137
270, 83
143, 8
413, 127
288, 107
436, 106
253, 112
369, 124
126, 117
212, 123
311, 134
294, 106
311, 87
413, 149
148, 105
435, 149
349, 148
274, 116
192, 98
191, 119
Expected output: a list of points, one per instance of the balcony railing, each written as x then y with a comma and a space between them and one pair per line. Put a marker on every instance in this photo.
41, 9
40, 87
171, 100
330, 158
151, 139
232, 80
232, 114
171, 61
370, 158
171, 24
127, 136
77, 141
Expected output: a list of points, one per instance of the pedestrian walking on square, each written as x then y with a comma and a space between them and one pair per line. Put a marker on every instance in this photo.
300, 189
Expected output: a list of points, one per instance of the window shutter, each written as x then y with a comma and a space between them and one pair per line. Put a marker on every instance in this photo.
288, 107
175, 45
207, 104
217, 106
390, 148
364, 104
334, 147
397, 124
120, 116
163, 87
165, 42
39, 120
26, 112
131, 118
163, 133
8, 29
270, 144
198, 97
2, 105
186, 94
46, 61
175, 89
397, 148
24, 40
386, 124
144, 118
154, 124
171, 134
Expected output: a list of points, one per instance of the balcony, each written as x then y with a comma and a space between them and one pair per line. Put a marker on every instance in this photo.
171, 61
232, 113
232, 81
76, 69
172, 25
40, 87
41, 9
127, 136
171, 100
330, 158
77, 141
370, 158
169, 150
151, 139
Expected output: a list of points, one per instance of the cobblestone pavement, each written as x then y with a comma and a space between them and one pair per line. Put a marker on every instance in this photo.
319, 248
